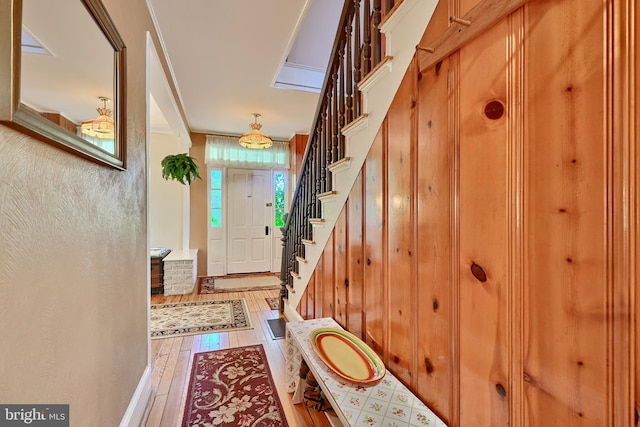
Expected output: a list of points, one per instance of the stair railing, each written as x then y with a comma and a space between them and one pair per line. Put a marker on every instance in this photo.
357, 50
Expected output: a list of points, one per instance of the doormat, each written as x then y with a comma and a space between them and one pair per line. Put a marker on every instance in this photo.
189, 318
273, 303
232, 387
277, 328
218, 284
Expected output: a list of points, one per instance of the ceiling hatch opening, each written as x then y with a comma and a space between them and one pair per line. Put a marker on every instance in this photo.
308, 57
29, 44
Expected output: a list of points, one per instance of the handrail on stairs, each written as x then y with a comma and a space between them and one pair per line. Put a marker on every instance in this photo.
357, 49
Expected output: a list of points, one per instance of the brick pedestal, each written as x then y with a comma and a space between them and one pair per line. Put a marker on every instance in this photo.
180, 272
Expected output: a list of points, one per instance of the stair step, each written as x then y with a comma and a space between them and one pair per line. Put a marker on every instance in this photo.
376, 75
316, 221
340, 165
403, 31
290, 289
295, 275
360, 122
308, 242
302, 260
327, 197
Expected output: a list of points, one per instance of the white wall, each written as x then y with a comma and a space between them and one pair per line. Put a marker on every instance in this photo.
166, 198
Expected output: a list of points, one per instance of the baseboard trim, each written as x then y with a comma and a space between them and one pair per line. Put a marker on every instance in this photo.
138, 409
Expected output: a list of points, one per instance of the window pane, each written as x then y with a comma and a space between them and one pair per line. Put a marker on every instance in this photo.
279, 221
279, 199
279, 178
216, 179
216, 217
216, 199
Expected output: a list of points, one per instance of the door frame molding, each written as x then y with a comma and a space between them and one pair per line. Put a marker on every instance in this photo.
220, 256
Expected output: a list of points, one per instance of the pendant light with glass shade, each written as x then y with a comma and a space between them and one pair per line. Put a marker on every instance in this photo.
255, 138
102, 126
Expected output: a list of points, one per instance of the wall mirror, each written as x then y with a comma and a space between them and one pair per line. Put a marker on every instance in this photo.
62, 74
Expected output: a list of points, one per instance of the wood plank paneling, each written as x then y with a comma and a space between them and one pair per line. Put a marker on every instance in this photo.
311, 298
298, 146
566, 271
483, 304
306, 307
375, 289
340, 268
482, 16
302, 305
328, 279
633, 135
515, 201
438, 24
434, 193
318, 275
501, 218
623, 119
355, 248
400, 231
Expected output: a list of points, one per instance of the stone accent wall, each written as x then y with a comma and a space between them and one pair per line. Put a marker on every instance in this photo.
180, 272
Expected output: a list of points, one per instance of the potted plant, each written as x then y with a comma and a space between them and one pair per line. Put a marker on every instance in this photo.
180, 167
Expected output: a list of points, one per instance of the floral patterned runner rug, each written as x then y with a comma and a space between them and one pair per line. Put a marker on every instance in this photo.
232, 387
237, 283
189, 318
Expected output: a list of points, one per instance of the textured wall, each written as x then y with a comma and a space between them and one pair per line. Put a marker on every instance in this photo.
73, 269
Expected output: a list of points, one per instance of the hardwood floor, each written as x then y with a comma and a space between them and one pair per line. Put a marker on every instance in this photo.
171, 360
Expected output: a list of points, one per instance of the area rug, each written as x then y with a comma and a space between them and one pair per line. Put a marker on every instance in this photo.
212, 285
273, 303
232, 387
189, 318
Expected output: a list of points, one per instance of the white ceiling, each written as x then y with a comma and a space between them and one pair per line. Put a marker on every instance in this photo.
226, 57
59, 80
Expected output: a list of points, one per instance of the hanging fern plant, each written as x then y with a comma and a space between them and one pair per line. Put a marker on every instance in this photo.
181, 168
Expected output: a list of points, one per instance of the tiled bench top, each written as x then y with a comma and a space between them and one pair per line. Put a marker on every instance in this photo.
386, 404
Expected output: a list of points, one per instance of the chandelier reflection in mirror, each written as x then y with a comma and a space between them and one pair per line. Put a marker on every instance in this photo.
103, 126
255, 138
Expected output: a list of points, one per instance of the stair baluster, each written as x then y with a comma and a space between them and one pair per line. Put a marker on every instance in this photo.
356, 51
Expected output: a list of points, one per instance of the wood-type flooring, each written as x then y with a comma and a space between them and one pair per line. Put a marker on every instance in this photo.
171, 360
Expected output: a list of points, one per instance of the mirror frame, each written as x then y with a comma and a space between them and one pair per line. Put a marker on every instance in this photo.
14, 115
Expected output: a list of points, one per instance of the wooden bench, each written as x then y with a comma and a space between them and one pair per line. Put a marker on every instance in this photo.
386, 404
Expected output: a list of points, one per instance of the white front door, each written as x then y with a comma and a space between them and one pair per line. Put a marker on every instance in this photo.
249, 220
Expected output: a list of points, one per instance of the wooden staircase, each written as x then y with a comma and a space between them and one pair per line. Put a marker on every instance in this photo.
317, 204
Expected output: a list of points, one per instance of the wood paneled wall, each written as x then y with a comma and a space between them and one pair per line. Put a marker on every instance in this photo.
489, 245
297, 144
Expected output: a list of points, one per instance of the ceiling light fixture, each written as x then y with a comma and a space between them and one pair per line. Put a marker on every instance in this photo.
255, 138
102, 126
